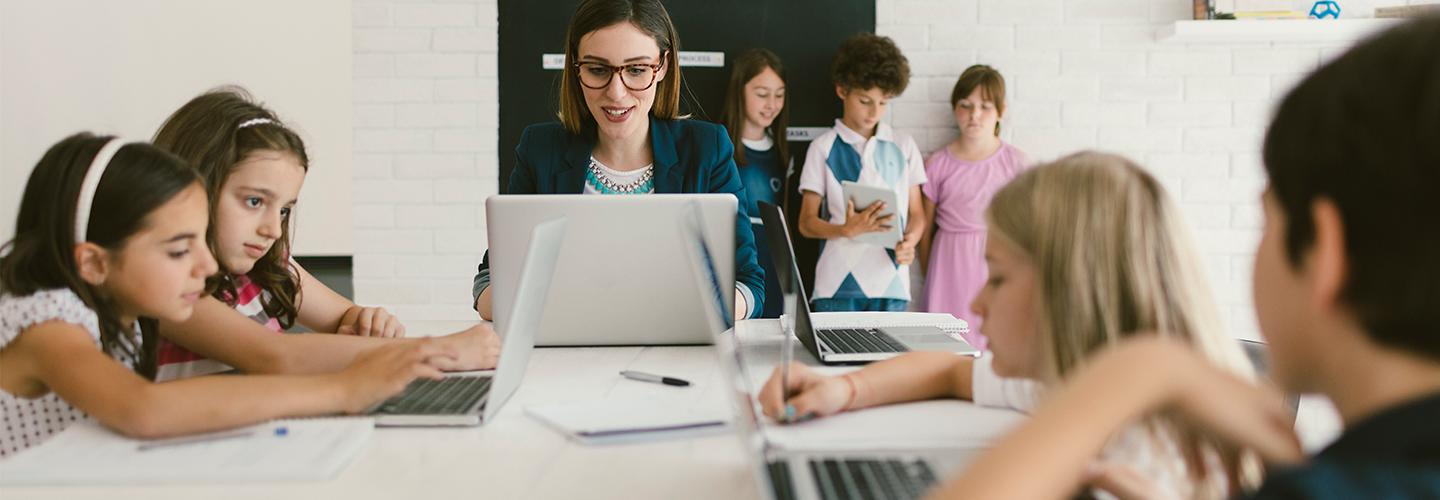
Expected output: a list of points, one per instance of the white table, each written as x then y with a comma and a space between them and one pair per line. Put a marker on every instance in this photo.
515, 456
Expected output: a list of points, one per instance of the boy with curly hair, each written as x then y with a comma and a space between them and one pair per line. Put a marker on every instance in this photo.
851, 275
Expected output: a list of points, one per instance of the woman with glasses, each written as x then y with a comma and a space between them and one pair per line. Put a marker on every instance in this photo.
621, 132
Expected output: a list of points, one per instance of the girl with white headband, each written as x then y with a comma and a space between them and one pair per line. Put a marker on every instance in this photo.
253, 166
110, 235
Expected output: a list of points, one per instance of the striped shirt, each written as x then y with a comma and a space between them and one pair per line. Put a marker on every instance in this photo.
175, 362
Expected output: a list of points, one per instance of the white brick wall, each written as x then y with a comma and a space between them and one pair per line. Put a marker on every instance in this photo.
426, 112
1089, 74
1083, 74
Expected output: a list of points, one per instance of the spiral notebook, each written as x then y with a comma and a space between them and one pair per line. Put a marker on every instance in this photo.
282, 450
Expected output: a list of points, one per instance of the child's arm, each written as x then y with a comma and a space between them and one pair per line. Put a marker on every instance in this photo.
323, 310
909, 377
856, 223
927, 236
914, 228
1054, 449
65, 359
217, 331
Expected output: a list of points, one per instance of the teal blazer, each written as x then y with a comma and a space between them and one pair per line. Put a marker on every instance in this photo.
691, 156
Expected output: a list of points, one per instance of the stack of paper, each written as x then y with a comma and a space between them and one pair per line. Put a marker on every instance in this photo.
282, 450
610, 421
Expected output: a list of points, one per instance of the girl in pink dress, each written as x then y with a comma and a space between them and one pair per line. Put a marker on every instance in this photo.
963, 176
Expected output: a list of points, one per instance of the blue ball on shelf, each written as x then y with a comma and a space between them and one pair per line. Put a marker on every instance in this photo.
1325, 9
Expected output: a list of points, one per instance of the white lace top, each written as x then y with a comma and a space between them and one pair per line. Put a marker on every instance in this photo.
28, 422
1152, 456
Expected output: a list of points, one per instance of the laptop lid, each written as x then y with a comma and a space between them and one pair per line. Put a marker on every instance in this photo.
783, 251
621, 278
732, 366
519, 334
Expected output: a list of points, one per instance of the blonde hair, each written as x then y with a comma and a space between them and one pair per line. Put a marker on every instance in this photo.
1114, 260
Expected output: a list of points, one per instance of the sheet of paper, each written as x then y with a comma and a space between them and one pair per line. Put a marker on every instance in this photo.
609, 420
88, 453
919, 425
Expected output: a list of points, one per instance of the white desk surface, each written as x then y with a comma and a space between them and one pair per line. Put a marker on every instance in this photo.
515, 456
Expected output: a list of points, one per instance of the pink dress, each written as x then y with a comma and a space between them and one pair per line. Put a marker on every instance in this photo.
961, 191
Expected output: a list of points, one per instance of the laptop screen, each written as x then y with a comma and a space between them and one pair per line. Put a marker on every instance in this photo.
784, 253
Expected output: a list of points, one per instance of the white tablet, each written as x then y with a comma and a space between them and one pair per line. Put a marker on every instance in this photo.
864, 196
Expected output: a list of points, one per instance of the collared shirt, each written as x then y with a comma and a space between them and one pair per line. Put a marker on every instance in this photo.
848, 269
1393, 454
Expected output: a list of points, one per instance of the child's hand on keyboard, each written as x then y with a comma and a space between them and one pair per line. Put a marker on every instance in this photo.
478, 348
811, 395
384, 371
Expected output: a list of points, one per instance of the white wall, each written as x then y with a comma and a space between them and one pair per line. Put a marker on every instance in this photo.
1091, 74
1082, 73
122, 67
426, 152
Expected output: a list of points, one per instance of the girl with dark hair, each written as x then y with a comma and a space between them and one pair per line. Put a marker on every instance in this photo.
109, 236
620, 131
253, 165
756, 116
964, 175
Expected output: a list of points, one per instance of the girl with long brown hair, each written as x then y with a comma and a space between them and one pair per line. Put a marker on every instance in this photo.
756, 117
253, 164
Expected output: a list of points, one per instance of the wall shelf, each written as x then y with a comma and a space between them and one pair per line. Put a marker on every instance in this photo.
1277, 31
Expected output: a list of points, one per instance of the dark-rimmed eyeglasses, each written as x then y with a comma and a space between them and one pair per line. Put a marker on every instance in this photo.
637, 77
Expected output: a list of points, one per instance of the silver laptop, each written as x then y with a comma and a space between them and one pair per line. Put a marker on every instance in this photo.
464, 399
843, 345
800, 474
622, 278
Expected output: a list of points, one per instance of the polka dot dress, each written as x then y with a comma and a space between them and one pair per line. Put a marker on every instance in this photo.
28, 422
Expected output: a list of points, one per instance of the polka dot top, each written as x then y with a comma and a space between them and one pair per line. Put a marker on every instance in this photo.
28, 422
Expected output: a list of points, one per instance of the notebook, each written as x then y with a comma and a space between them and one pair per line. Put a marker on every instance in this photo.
613, 422
281, 450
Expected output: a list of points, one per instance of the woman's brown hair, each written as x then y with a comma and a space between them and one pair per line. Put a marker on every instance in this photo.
990, 83
749, 64
651, 18
207, 133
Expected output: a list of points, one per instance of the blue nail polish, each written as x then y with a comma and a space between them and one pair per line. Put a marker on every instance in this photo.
789, 412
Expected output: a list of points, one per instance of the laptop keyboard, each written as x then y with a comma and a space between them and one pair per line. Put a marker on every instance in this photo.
871, 479
859, 340
447, 396
780, 480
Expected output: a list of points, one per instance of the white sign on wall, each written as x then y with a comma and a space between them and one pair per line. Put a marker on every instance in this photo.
688, 59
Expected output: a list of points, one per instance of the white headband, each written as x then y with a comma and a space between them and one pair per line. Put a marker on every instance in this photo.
91, 182
255, 121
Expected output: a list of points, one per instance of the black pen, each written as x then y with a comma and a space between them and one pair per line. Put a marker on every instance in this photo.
650, 377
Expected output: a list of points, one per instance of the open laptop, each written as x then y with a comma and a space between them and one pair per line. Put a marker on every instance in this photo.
799, 474
847, 344
621, 278
463, 399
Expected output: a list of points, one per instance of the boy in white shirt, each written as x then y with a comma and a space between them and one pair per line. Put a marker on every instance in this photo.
868, 71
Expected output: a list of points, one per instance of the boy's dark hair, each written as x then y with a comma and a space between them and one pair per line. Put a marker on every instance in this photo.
749, 64
867, 61
139, 179
1364, 133
206, 132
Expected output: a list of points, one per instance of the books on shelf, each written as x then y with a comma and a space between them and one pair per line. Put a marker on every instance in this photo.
1403, 11
1270, 14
